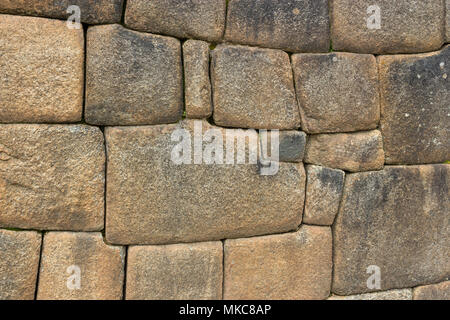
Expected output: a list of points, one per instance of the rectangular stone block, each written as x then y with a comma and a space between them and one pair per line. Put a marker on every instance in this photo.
323, 194
80, 266
41, 70
197, 91
51, 177
415, 108
392, 226
19, 263
289, 266
386, 26
91, 11
291, 145
253, 88
337, 92
175, 272
132, 78
296, 26
359, 151
402, 294
154, 199
200, 19
439, 291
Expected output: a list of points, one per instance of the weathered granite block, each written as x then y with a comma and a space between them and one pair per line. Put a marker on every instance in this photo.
298, 25
403, 294
200, 19
253, 88
386, 26
68, 255
395, 219
291, 145
415, 107
153, 200
439, 291
92, 11
41, 70
51, 177
19, 261
287, 266
323, 194
359, 151
197, 89
178, 271
337, 92
132, 78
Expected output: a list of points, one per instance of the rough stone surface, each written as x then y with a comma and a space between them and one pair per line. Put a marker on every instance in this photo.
92, 11
153, 200
396, 219
337, 92
19, 260
196, 79
41, 70
299, 25
101, 266
359, 151
288, 266
291, 145
51, 177
132, 78
415, 108
403, 294
253, 88
440, 291
178, 271
406, 26
200, 19
447, 33
323, 194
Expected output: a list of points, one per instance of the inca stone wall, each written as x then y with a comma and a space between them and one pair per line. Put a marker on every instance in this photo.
213, 149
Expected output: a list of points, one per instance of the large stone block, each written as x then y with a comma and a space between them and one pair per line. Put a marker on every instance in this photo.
51, 177
253, 88
92, 11
395, 219
298, 26
415, 108
178, 271
323, 194
439, 291
200, 19
386, 26
153, 200
337, 92
291, 145
132, 78
41, 70
197, 91
403, 294
69, 257
19, 263
287, 266
359, 151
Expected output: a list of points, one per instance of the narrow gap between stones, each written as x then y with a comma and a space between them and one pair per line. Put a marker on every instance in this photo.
125, 265
38, 275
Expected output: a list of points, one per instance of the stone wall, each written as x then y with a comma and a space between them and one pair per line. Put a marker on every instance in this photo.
92, 115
